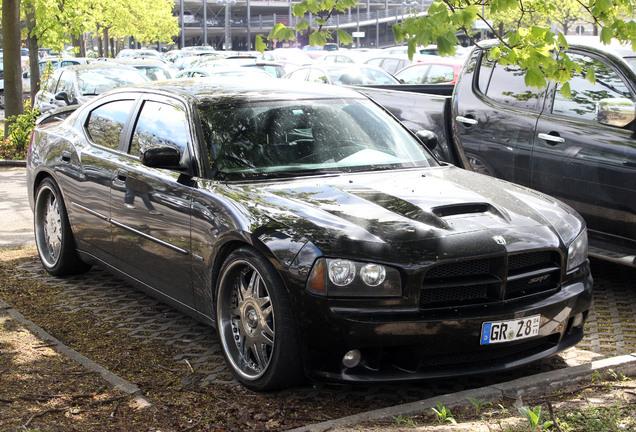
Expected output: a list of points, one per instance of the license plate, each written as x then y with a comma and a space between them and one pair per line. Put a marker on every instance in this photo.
510, 330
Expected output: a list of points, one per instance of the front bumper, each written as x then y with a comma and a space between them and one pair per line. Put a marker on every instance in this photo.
400, 345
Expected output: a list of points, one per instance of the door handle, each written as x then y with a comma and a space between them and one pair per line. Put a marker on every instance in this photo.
466, 120
121, 176
551, 139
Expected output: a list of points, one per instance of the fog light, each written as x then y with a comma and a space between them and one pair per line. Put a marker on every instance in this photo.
352, 358
578, 320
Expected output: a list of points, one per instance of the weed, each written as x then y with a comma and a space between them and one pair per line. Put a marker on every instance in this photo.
534, 417
406, 420
443, 414
479, 406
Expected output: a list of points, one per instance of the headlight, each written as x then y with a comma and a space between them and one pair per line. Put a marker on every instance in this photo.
346, 278
577, 252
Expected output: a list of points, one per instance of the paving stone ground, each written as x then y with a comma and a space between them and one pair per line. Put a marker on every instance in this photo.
610, 331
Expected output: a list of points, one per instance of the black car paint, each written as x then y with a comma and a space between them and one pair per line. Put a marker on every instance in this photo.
593, 170
409, 219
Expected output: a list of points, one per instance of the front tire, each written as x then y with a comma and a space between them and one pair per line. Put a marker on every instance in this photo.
257, 331
53, 236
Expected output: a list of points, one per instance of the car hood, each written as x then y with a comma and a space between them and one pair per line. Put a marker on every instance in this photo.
408, 211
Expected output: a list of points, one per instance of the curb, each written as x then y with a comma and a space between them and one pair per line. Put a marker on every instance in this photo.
116, 381
12, 163
543, 383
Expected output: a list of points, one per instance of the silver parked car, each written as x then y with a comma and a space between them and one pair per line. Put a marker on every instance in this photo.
75, 85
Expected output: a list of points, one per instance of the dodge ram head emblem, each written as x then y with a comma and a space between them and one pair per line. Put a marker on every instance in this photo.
500, 240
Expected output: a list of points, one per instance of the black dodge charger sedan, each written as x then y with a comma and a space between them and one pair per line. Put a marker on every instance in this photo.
317, 234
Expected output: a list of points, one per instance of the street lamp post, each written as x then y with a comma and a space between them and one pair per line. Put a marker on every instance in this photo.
228, 28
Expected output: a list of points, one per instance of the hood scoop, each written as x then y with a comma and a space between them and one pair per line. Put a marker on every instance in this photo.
468, 209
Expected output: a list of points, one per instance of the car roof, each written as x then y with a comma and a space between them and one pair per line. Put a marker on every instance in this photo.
239, 90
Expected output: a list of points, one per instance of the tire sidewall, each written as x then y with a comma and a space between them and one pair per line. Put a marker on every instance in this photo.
279, 373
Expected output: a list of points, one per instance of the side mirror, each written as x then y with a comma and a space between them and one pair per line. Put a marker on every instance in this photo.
25, 74
63, 96
163, 156
615, 111
428, 138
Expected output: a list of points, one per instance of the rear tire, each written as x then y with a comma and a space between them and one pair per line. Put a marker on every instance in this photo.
53, 236
257, 331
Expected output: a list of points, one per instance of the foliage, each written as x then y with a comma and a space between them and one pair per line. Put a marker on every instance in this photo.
534, 417
443, 414
318, 35
528, 43
479, 406
145, 20
407, 421
14, 147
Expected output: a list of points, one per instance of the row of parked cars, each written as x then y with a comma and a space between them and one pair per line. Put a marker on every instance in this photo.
340, 67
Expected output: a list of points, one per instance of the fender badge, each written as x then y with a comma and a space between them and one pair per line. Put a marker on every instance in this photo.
499, 240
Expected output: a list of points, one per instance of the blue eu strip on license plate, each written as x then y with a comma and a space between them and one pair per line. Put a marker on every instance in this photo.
510, 330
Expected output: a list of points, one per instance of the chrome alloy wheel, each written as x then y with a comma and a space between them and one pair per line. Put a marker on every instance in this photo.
246, 320
48, 227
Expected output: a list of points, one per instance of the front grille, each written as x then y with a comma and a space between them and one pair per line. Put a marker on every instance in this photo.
488, 280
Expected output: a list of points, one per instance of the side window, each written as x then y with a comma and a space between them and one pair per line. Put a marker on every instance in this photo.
506, 85
160, 124
316, 75
106, 123
66, 85
298, 75
588, 98
391, 65
414, 75
439, 74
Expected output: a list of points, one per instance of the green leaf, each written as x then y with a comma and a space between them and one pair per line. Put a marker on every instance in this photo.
606, 35
320, 21
590, 76
534, 78
299, 9
344, 37
566, 91
317, 39
301, 25
313, 6
259, 45
563, 41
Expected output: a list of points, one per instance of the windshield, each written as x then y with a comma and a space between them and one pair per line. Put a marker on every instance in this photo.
289, 138
98, 81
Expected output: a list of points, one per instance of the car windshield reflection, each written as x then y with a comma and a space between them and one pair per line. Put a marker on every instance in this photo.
305, 137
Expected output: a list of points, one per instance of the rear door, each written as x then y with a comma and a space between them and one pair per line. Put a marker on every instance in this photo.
586, 157
90, 188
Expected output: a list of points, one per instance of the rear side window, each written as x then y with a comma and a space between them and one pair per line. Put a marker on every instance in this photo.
106, 123
160, 124
586, 95
506, 85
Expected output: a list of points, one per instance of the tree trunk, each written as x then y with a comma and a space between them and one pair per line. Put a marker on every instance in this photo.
100, 48
34, 57
11, 60
105, 39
